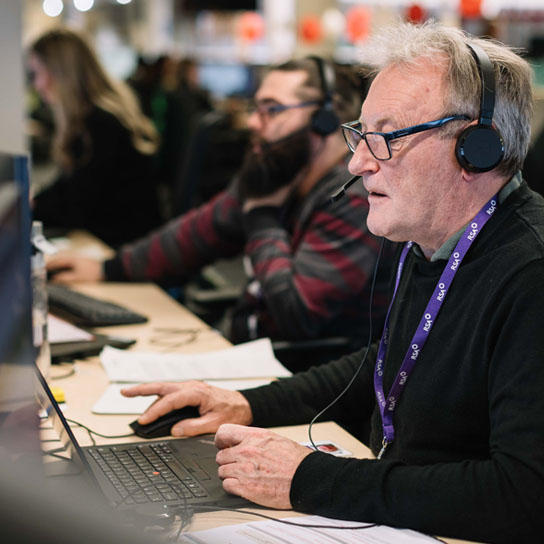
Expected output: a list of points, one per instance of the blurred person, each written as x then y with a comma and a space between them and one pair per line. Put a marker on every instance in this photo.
172, 114
533, 167
310, 260
103, 144
197, 98
453, 391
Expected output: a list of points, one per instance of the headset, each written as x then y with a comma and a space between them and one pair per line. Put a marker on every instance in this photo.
480, 147
324, 120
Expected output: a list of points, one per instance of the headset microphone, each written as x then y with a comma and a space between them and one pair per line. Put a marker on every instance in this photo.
342, 191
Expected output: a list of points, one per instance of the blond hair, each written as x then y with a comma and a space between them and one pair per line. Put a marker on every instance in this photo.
405, 44
81, 83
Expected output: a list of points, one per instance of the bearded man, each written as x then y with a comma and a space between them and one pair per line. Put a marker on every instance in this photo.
310, 260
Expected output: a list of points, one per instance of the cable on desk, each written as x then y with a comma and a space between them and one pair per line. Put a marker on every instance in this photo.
168, 337
350, 383
186, 513
64, 376
91, 432
285, 522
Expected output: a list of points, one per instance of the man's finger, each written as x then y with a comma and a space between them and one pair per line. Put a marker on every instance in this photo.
159, 408
225, 457
147, 389
67, 276
233, 486
230, 434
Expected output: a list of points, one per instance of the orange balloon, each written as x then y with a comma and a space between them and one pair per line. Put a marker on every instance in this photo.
250, 26
470, 9
310, 28
358, 23
415, 13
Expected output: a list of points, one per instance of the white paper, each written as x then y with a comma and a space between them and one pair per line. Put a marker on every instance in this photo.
60, 331
273, 532
112, 402
250, 360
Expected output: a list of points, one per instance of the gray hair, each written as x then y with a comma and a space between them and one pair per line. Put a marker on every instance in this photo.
407, 44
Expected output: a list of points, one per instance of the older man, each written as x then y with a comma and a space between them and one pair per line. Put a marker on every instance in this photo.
309, 259
454, 389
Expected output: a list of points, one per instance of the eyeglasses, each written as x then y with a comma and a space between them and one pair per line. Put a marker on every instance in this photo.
379, 143
272, 109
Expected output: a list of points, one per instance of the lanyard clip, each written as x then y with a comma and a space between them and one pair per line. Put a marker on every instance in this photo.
384, 446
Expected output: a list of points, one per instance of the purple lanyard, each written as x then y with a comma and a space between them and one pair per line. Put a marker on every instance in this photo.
388, 405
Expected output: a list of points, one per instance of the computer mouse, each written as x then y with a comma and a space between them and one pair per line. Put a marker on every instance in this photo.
162, 425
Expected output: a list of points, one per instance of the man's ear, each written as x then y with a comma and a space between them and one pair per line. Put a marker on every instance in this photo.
470, 177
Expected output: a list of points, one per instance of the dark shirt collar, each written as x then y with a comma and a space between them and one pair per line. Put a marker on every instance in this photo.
444, 251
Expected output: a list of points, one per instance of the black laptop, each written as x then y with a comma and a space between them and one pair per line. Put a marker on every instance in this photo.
146, 476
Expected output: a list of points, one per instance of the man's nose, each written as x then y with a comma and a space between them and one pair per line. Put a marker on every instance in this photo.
363, 162
255, 122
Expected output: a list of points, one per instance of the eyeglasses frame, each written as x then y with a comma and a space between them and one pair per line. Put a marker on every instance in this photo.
274, 109
395, 134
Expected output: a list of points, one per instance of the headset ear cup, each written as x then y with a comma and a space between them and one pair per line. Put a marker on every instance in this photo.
324, 121
479, 148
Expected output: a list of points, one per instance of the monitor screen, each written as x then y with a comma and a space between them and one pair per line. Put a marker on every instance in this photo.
223, 80
18, 416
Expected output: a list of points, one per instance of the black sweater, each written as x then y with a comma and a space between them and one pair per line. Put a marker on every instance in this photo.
468, 458
110, 192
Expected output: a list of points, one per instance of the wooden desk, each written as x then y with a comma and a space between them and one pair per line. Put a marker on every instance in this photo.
88, 383
84, 388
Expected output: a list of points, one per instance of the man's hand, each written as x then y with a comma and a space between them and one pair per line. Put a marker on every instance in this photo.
72, 268
216, 406
258, 464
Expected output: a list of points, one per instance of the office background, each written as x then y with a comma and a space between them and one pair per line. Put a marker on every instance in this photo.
229, 38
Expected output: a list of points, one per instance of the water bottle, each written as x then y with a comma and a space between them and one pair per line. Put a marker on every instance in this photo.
39, 297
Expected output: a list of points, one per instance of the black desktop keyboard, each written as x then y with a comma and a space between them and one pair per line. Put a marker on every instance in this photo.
142, 474
84, 310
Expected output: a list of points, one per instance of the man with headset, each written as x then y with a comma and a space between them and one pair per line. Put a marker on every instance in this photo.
454, 388
309, 259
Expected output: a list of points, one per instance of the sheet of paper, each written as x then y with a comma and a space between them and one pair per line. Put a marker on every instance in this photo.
60, 331
273, 532
112, 402
250, 360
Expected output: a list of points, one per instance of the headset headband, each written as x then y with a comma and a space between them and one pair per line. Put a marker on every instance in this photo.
487, 77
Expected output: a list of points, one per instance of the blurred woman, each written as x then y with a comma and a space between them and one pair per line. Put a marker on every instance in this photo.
103, 144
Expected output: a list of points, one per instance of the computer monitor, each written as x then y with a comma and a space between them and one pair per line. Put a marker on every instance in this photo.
32, 510
224, 80
19, 441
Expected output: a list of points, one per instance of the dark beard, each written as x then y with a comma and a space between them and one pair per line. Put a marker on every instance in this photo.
275, 166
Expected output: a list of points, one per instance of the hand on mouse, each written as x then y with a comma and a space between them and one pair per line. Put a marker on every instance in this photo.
74, 268
216, 406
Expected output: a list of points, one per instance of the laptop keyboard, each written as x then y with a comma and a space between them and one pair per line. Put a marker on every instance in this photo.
142, 474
